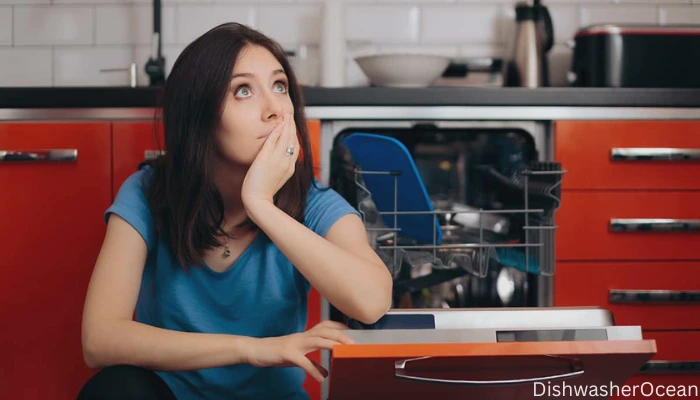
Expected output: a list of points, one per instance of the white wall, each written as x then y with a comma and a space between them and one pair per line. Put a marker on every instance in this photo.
67, 42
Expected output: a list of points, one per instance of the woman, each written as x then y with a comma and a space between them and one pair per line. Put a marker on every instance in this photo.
199, 291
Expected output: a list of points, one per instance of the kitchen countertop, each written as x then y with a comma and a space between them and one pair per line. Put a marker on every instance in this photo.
125, 97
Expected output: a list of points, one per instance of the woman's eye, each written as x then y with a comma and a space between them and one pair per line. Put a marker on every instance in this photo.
243, 91
281, 86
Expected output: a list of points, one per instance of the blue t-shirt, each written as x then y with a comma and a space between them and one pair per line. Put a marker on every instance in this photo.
261, 295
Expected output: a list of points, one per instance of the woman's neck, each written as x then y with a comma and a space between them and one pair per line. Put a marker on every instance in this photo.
229, 181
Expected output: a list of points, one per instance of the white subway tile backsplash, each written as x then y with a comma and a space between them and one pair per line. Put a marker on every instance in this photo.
55, 25
679, 15
655, 1
23, 2
25, 67
113, 33
280, 2
89, 2
5, 26
491, 50
618, 14
485, 2
81, 66
193, 21
450, 50
382, 23
478, 23
132, 24
291, 24
565, 20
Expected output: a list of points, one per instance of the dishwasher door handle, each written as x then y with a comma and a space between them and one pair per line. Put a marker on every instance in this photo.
400, 373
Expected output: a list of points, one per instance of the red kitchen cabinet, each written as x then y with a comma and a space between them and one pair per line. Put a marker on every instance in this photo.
672, 371
655, 295
133, 143
52, 231
604, 225
628, 236
629, 154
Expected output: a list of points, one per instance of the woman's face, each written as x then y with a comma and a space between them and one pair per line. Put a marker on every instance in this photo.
256, 101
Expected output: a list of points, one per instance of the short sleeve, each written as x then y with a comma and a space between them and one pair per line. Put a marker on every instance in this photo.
132, 206
324, 207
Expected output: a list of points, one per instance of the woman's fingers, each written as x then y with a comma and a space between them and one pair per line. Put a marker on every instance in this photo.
336, 335
319, 373
321, 343
273, 138
283, 142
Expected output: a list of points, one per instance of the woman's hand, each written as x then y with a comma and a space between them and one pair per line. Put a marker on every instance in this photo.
273, 165
285, 351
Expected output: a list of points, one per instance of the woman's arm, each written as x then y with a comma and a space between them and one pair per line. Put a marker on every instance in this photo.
111, 337
342, 266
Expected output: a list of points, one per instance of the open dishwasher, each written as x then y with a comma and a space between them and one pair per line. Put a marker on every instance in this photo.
461, 216
464, 220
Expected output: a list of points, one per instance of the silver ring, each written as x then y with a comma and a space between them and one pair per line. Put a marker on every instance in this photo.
290, 151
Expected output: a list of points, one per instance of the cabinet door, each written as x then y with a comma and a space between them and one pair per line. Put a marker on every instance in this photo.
628, 225
629, 154
133, 143
659, 295
52, 231
673, 372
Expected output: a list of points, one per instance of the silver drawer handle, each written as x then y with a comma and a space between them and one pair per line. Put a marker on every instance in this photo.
654, 154
653, 224
671, 367
152, 154
654, 296
62, 155
400, 373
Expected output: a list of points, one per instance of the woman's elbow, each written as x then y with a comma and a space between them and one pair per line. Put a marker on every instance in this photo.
92, 354
372, 311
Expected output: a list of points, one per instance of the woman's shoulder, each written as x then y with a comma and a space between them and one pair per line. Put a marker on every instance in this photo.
137, 180
131, 204
324, 206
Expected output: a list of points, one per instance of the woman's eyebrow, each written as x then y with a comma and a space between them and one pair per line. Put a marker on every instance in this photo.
251, 75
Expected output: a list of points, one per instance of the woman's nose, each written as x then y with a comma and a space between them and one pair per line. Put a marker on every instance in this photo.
273, 108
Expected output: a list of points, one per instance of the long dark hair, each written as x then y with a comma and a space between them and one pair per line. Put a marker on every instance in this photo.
186, 205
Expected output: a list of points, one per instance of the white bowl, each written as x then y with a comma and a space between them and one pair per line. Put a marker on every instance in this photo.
403, 70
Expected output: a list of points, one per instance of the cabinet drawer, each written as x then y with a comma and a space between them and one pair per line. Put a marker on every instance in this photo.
655, 295
629, 154
602, 226
675, 365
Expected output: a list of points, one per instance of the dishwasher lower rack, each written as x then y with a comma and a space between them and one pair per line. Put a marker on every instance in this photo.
520, 236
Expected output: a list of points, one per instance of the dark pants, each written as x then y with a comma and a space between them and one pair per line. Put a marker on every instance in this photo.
122, 382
